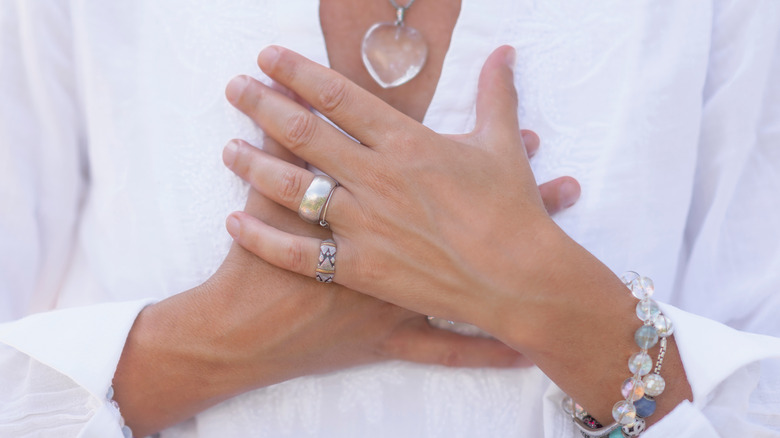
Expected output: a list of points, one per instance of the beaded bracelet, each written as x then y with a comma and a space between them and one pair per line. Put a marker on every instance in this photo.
640, 389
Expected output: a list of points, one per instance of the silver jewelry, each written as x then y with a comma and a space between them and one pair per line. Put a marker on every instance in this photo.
316, 196
392, 52
323, 222
326, 267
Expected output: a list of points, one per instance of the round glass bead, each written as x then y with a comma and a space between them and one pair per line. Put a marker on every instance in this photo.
568, 405
633, 388
654, 385
642, 288
617, 433
644, 407
640, 363
629, 278
647, 310
635, 429
646, 336
624, 412
664, 326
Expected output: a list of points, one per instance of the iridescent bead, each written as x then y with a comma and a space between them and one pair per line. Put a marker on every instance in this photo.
644, 407
634, 388
647, 310
624, 412
664, 326
646, 336
642, 288
640, 363
579, 411
654, 385
629, 278
635, 429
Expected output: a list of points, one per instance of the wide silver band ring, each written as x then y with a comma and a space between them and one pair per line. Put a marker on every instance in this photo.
317, 195
326, 266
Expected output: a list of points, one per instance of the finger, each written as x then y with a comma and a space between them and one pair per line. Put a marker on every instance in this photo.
361, 114
422, 343
287, 251
294, 127
276, 179
497, 99
531, 142
559, 194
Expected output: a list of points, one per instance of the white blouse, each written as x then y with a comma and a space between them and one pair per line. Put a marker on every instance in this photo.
113, 195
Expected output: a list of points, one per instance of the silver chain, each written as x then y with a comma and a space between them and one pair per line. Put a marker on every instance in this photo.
400, 11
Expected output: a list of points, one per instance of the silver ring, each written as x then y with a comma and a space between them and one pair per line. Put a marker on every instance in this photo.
323, 222
326, 267
316, 196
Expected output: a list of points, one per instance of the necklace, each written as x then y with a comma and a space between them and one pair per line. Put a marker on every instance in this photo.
392, 52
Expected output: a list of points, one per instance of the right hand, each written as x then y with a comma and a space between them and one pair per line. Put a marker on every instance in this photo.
252, 325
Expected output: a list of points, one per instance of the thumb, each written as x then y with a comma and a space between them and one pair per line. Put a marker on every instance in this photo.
497, 100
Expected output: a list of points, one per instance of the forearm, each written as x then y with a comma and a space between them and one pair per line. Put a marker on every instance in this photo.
198, 348
578, 327
171, 367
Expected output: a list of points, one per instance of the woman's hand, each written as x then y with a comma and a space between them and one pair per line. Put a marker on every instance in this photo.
429, 222
252, 325
452, 226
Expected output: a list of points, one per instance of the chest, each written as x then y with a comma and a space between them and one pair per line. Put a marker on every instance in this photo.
344, 23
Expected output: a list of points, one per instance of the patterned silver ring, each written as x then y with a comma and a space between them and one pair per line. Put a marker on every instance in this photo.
326, 267
315, 198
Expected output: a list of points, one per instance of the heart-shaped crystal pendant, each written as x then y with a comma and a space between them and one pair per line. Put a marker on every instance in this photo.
393, 53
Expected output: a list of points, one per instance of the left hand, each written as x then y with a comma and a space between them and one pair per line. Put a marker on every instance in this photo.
445, 225
430, 222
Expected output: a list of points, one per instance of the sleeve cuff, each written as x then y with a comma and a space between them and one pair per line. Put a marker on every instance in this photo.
83, 343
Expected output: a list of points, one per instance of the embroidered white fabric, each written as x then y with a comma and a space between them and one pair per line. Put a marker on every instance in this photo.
112, 190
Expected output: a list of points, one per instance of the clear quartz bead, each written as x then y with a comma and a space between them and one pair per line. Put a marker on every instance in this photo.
646, 336
654, 385
640, 363
568, 405
633, 388
624, 412
642, 288
663, 326
629, 278
647, 310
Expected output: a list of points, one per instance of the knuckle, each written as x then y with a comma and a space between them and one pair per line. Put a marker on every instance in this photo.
333, 95
294, 258
289, 187
299, 130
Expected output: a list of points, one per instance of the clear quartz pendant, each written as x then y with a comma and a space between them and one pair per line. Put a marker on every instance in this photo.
393, 53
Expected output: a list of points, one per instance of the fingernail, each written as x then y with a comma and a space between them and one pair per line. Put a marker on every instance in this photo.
511, 58
267, 57
235, 88
233, 226
570, 193
229, 153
